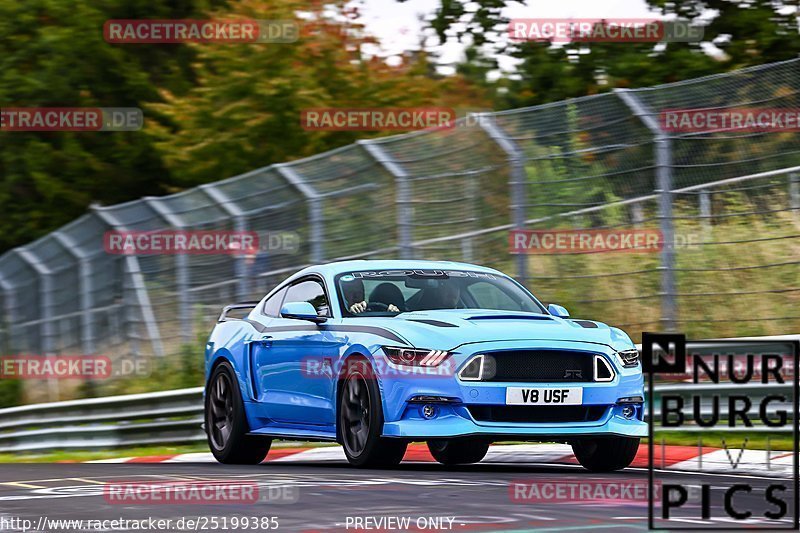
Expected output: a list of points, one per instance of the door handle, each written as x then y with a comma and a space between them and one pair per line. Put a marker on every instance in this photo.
265, 340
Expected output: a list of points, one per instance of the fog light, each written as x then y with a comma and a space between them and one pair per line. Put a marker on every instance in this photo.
628, 411
630, 399
429, 398
428, 411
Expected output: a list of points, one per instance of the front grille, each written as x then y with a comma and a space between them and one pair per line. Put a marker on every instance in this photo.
537, 414
532, 366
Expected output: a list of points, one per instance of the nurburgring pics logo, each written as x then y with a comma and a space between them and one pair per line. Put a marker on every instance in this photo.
71, 119
200, 31
737, 119
377, 119
618, 30
718, 400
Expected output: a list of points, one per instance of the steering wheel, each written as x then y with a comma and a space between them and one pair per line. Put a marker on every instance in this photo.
377, 306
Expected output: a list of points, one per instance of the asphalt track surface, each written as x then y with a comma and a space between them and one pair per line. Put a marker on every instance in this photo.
331, 496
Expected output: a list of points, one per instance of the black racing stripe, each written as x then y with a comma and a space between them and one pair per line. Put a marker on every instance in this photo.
258, 326
380, 332
437, 323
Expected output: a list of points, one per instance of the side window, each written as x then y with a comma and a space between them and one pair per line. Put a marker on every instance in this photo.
272, 307
489, 296
309, 291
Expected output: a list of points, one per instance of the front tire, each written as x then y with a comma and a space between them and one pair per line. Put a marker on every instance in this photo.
460, 451
361, 422
226, 424
606, 454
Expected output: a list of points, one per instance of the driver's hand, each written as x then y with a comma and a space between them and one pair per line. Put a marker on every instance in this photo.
393, 308
359, 307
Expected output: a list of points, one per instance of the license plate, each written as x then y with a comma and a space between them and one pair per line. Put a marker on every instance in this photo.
544, 396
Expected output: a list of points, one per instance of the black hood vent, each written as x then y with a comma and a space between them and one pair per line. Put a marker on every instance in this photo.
437, 323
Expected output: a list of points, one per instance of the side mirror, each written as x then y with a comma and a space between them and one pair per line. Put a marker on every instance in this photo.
301, 311
557, 310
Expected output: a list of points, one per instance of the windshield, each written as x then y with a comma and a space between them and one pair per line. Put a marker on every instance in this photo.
390, 292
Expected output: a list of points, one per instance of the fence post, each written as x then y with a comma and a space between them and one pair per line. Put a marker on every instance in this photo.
45, 299
705, 209
6, 318
182, 277
637, 214
403, 196
316, 220
46, 330
663, 161
517, 181
794, 193
85, 288
240, 225
134, 272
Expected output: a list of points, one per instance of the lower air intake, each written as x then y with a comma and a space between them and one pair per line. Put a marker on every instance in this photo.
537, 414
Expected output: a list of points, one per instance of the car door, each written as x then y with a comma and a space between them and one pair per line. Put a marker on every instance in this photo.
293, 367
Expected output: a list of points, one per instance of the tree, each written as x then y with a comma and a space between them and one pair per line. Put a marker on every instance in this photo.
52, 54
245, 111
744, 33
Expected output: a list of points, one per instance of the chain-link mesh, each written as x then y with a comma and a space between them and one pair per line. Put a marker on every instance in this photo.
597, 162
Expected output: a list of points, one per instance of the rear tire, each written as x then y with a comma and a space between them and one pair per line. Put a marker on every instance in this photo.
461, 451
606, 454
360, 422
226, 423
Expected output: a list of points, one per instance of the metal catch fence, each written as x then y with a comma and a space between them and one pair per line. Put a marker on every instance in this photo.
727, 204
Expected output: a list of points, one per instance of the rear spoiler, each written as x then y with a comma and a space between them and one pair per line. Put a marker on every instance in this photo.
228, 308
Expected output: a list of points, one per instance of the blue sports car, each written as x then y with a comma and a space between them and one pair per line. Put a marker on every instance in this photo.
376, 354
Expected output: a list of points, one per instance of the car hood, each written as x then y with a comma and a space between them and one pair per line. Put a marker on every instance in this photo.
448, 329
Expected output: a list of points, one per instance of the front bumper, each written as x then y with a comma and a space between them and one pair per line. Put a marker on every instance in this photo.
405, 419
455, 421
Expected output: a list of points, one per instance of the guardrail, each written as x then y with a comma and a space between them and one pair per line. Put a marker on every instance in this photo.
131, 420
176, 416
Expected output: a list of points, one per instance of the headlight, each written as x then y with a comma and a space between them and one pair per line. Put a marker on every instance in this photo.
415, 357
630, 358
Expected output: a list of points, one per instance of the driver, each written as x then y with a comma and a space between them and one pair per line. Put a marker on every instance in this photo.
356, 303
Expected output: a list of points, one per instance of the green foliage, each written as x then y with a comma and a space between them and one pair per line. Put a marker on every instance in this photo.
745, 33
10, 392
245, 111
52, 54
